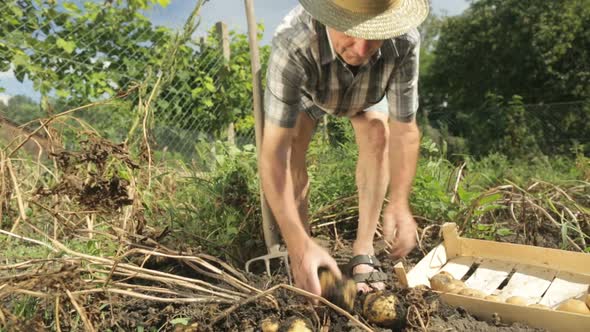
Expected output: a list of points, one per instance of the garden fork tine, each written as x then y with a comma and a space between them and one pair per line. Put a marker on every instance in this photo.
273, 252
272, 240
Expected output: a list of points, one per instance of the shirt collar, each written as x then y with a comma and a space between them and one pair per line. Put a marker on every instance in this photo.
327, 53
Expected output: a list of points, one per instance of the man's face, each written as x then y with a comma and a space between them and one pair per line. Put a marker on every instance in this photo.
354, 51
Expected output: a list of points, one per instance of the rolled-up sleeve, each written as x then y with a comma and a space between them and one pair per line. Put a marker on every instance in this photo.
282, 96
402, 92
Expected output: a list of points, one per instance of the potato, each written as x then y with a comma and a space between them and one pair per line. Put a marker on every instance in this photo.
297, 324
588, 300
573, 305
518, 300
382, 309
458, 283
269, 325
539, 306
340, 292
493, 298
440, 281
472, 293
452, 288
456, 286
446, 274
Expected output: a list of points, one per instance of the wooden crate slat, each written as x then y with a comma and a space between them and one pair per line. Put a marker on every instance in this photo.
551, 320
427, 267
529, 282
489, 275
574, 262
459, 266
565, 286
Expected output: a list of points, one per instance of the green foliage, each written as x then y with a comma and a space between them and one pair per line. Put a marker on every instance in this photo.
495, 169
18, 251
220, 210
25, 307
489, 231
179, 321
80, 53
21, 109
210, 92
430, 193
537, 50
76, 55
429, 33
332, 166
437, 179
507, 123
236, 89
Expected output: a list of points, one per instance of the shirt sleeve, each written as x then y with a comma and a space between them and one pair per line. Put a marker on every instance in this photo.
402, 92
284, 79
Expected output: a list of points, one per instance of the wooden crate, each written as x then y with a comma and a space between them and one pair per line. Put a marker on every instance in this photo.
541, 275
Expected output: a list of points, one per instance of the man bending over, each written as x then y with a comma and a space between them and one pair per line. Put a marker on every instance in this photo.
357, 59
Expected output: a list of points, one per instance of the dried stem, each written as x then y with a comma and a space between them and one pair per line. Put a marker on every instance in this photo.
57, 327
48, 121
81, 312
456, 186
16, 187
212, 299
145, 130
20, 237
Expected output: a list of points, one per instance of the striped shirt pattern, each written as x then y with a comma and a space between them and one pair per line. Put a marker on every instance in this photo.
305, 73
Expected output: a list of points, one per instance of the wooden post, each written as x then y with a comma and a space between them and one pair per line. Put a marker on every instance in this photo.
269, 225
223, 36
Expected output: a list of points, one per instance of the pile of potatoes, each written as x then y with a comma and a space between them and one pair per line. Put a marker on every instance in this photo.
444, 282
380, 308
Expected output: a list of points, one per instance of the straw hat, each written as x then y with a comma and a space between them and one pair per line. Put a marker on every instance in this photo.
369, 19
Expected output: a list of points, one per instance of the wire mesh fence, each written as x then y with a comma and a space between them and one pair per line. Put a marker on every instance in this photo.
71, 54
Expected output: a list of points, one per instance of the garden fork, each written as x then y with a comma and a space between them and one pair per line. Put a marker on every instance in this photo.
272, 239
269, 225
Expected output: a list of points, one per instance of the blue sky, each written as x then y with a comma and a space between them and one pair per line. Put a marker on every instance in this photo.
232, 12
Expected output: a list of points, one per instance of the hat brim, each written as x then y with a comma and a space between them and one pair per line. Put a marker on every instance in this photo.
392, 23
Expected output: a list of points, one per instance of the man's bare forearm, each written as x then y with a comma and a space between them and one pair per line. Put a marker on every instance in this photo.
278, 188
403, 158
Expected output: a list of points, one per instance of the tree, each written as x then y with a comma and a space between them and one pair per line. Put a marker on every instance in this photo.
80, 53
538, 50
20, 109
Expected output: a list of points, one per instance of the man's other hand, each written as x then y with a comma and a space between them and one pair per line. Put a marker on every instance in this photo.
399, 229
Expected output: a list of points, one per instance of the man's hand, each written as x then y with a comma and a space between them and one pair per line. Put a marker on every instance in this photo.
399, 226
399, 229
306, 259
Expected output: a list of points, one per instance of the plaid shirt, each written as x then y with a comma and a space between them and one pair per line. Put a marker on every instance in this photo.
304, 72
